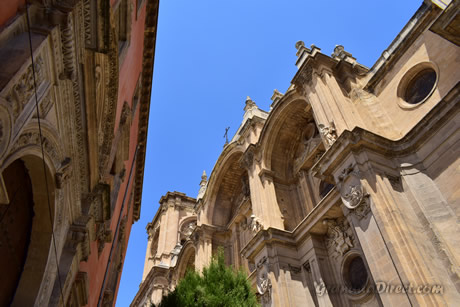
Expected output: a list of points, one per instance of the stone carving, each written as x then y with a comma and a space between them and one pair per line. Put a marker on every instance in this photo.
353, 196
264, 284
188, 229
87, 21
23, 90
44, 107
308, 141
255, 225
329, 133
245, 186
103, 235
33, 138
347, 171
303, 78
339, 238
70, 72
248, 158
351, 190
108, 117
63, 173
363, 210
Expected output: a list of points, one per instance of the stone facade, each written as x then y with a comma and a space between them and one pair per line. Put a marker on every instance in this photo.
345, 192
74, 99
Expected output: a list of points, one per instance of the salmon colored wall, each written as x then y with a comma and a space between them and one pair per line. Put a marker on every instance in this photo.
129, 74
9, 9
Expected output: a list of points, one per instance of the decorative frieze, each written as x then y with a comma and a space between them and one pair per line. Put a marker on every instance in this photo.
21, 92
33, 138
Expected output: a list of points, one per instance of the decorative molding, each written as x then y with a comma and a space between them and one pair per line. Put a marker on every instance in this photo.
103, 235
21, 92
5, 129
33, 138
146, 87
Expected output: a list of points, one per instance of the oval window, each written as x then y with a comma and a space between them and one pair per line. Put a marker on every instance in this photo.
420, 86
355, 273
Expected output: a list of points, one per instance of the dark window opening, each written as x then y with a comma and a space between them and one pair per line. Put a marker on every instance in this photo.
420, 86
324, 188
356, 274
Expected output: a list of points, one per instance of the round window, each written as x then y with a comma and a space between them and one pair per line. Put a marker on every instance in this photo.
420, 86
355, 274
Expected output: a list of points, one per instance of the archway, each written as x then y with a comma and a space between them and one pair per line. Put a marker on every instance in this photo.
34, 242
292, 138
232, 189
16, 227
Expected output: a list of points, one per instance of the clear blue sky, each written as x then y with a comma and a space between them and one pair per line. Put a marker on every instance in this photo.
209, 56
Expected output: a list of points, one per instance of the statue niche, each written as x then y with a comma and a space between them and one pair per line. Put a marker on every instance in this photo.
309, 139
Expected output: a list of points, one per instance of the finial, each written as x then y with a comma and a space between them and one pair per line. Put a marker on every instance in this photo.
203, 183
204, 176
299, 44
250, 104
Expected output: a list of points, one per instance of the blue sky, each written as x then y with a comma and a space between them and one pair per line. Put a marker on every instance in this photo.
209, 56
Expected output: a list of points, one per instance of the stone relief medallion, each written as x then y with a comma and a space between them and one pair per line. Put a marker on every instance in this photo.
351, 190
352, 195
5, 129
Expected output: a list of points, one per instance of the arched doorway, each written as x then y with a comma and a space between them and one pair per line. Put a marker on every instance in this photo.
26, 220
15, 227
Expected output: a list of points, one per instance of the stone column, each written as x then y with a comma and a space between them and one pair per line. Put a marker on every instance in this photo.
172, 225
148, 263
397, 253
203, 250
263, 195
268, 209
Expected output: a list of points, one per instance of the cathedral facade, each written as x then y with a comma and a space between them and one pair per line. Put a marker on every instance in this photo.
74, 100
345, 193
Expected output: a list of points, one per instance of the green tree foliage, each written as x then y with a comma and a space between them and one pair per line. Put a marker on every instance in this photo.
218, 286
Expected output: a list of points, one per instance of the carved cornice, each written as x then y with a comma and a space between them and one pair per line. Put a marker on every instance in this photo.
150, 32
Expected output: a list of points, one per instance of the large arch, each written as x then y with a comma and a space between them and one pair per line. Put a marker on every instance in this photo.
186, 260
40, 268
225, 183
288, 136
39, 247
